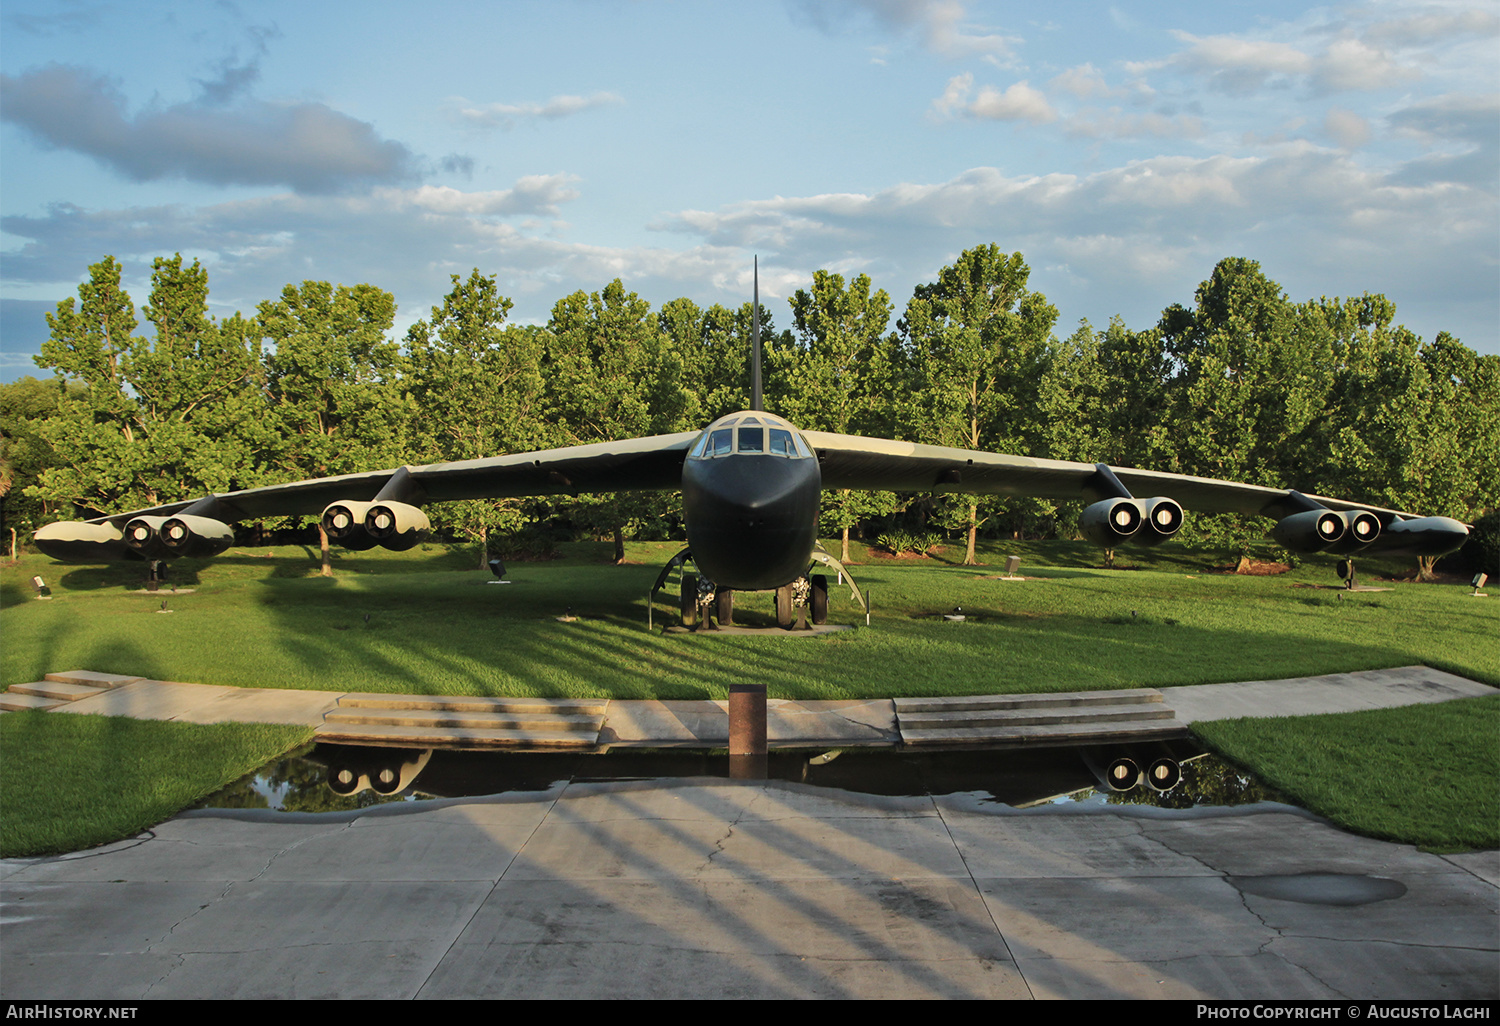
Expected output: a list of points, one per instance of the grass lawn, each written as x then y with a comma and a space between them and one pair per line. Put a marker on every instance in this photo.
69, 782
1423, 775
416, 622
423, 622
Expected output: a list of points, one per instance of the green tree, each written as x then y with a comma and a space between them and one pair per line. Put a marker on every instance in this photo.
835, 375
25, 404
477, 386
334, 382
980, 343
714, 346
158, 419
1252, 377
1408, 425
611, 372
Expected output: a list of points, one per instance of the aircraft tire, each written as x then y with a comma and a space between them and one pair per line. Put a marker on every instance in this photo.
689, 600
725, 599
818, 599
786, 608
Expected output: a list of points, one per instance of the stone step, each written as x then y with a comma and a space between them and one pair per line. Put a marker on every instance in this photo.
92, 679
460, 738
57, 691
441, 718
984, 703
1024, 717
528, 706
14, 701
1050, 734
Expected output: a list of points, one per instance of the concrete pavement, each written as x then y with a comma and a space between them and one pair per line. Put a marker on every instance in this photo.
713, 888
705, 723
720, 889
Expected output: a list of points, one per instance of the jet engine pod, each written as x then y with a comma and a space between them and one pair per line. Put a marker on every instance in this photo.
1163, 519
1164, 774
1123, 773
1312, 531
345, 780
1113, 521
75, 541
344, 521
186, 535
396, 525
386, 771
1361, 529
143, 537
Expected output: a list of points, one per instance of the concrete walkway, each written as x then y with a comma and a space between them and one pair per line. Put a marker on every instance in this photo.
730, 889
705, 723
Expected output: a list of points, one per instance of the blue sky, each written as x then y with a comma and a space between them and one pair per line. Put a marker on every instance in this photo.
1123, 148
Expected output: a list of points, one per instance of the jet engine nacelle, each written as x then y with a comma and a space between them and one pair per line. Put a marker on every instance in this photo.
396, 525
1112, 522
188, 535
344, 522
385, 771
75, 541
143, 537
1312, 531
1361, 529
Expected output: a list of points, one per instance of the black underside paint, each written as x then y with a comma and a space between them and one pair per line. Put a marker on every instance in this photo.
752, 519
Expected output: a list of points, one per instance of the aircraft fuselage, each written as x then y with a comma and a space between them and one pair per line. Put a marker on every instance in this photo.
750, 490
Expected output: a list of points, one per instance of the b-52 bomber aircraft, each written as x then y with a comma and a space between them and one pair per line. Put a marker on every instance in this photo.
750, 485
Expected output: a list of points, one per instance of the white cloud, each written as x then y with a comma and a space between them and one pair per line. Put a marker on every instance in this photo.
1140, 236
505, 115
1346, 128
1083, 82
308, 146
533, 194
1327, 58
943, 25
955, 96
1239, 66
1019, 102
1350, 65
1117, 124
1134, 238
1434, 25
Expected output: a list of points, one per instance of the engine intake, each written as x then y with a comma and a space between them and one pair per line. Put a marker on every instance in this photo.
188, 535
396, 525
1361, 529
1312, 531
1112, 522
143, 537
1163, 519
344, 523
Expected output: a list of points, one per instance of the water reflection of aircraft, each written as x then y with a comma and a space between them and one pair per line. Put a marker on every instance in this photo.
1020, 778
750, 485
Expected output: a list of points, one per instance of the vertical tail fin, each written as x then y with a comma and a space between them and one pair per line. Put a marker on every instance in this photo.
755, 390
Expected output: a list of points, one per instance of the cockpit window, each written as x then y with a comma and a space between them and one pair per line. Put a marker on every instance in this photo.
754, 435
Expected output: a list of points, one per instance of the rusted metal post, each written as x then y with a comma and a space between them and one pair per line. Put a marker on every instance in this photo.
747, 731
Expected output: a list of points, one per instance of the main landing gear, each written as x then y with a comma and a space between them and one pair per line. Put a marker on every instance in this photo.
704, 606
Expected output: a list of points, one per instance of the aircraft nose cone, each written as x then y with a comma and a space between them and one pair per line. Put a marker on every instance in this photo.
751, 520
